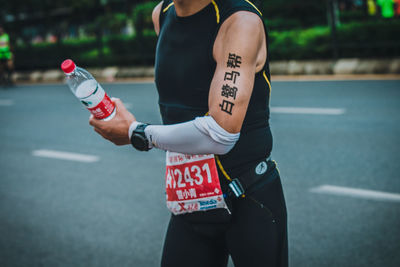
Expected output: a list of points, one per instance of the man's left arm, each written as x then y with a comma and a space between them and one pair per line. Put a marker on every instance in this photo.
240, 52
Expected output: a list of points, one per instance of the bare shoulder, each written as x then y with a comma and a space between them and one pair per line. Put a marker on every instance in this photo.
156, 17
243, 31
243, 21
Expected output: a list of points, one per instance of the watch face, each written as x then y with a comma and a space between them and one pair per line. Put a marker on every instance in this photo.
139, 139
139, 142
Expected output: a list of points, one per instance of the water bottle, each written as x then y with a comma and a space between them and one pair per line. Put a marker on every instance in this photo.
88, 91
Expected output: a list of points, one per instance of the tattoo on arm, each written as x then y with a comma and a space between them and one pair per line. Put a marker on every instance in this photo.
226, 106
231, 76
228, 91
234, 61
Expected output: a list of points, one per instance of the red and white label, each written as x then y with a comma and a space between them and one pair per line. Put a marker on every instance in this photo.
95, 99
103, 109
192, 183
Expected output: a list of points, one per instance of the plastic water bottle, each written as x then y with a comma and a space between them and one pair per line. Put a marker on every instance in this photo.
88, 91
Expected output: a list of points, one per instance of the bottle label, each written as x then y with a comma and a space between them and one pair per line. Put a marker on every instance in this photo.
98, 102
104, 109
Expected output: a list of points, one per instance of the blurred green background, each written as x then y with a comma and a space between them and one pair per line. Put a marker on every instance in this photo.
100, 33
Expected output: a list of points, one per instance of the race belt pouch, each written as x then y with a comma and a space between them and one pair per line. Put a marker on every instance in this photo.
192, 183
248, 182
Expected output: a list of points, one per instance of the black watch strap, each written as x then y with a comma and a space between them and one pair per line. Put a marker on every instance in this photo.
139, 139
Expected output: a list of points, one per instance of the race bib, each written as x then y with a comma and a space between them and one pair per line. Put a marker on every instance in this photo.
192, 183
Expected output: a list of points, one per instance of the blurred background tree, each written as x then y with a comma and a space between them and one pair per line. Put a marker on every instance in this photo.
120, 32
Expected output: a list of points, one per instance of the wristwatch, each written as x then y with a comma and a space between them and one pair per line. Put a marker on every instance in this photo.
139, 139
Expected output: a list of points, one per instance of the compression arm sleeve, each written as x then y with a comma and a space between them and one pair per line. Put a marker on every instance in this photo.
200, 136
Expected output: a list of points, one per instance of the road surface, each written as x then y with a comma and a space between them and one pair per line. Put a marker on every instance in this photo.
70, 198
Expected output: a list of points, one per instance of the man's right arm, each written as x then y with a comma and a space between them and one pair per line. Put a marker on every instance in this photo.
156, 17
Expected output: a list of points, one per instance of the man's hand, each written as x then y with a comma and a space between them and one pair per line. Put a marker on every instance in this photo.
115, 130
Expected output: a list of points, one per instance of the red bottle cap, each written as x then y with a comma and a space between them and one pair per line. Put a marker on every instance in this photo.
68, 66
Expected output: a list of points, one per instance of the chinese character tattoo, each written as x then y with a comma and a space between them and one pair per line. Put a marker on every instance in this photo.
227, 106
234, 61
228, 91
231, 76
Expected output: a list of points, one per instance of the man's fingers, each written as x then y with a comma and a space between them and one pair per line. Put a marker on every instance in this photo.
118, 103
98, 131
95, 122
92, 120
101, 133
116, 142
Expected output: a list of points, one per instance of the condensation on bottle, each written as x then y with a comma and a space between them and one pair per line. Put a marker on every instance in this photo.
88, 91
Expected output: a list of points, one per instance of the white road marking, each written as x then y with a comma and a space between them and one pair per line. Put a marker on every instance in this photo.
303, 110
64, 155
356, 192
6, 102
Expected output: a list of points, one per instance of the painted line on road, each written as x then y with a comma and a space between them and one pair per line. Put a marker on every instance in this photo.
334, 77
313, 111
6, 102
356, 192
64, 155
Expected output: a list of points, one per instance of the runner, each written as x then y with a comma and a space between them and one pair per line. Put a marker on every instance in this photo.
213, 80
6, 58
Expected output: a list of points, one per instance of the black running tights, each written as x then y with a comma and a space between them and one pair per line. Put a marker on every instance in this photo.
255, 236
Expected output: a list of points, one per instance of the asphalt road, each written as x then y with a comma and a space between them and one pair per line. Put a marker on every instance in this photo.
110, 210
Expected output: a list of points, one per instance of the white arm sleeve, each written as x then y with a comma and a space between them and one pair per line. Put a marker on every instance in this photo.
200, 136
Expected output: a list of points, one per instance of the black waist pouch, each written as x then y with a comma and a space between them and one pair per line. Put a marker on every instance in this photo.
261, 174
252, 177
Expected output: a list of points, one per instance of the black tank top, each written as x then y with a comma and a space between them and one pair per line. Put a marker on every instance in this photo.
184, 69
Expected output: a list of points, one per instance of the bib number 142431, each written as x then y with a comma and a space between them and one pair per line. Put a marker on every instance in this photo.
192, 183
